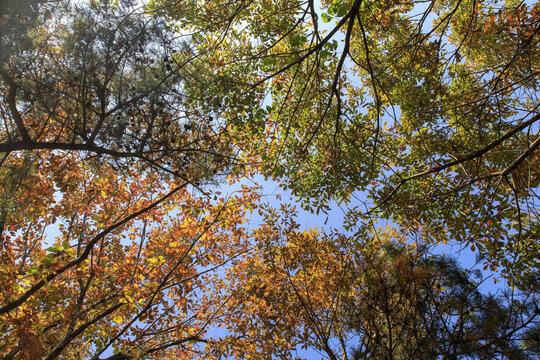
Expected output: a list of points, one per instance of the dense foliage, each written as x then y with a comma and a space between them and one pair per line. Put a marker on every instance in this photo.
129, 133
429, 110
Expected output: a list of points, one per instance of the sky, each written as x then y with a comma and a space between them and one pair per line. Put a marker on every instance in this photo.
332, 220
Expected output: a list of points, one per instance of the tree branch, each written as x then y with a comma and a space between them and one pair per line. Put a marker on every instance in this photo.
36, 287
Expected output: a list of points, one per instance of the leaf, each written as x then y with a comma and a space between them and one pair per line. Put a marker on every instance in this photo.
119, 127
326, 18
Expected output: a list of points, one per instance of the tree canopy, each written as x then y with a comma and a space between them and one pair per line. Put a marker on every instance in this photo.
130, 133
427, 109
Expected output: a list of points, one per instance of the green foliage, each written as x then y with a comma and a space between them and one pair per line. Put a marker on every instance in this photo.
431, 111
423, 115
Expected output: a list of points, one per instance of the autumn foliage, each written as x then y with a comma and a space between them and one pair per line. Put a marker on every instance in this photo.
132, 136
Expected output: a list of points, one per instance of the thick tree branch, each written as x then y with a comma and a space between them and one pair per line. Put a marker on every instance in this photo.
12, 103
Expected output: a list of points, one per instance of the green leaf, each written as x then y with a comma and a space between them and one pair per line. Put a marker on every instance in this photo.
324, 54
364, 5
325, 17
33, 270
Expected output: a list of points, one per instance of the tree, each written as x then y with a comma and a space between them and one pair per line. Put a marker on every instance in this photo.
106, 80
372, 295
103, 245
130, 261
116, 118
436, 124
